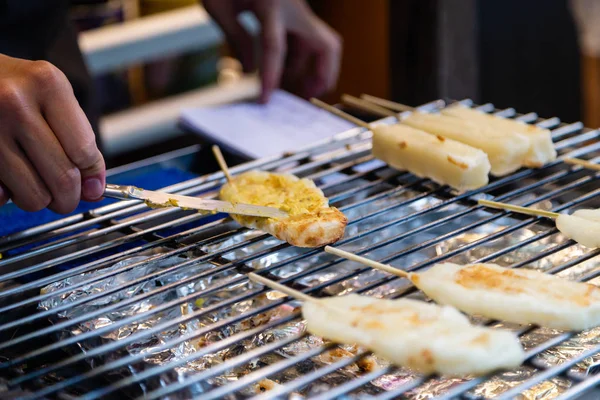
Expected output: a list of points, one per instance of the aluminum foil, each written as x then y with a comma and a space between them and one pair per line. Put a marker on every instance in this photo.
404, 250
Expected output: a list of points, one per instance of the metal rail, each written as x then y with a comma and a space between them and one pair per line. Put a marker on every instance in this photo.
548, 183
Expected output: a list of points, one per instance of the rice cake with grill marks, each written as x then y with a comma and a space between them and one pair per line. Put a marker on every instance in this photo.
311, 221
506, 150
583, 226
541, 148
521, 296
425, 155
422, 336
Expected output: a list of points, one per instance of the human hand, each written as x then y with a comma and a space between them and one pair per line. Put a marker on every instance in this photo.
48, 153
297, 48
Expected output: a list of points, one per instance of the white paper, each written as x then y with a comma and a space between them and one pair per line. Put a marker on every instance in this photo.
286, 123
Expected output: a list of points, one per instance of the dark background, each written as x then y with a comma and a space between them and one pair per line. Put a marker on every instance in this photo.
516, 53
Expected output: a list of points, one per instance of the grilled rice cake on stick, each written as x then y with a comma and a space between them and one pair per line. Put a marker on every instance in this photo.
424, 154
506, 150
409, 333
541, 149
513, 295
583, 226
422, 336
311, 222
442, 160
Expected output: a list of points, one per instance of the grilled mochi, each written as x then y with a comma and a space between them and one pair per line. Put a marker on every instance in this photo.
541, 149
311, 222
442, 160
422, 336
514, 295
583, 226
506, 150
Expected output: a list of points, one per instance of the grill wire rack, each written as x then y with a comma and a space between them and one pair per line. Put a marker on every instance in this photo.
128, 302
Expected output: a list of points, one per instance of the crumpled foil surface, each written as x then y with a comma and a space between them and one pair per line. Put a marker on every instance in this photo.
165, 346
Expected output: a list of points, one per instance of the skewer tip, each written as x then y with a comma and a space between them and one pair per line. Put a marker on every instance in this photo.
280, 288
340, 113
523, 210
365, 261
583, 163
221, 161
391, 105
368, 106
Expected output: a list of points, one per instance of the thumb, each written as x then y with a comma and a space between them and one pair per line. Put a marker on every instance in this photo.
93, 178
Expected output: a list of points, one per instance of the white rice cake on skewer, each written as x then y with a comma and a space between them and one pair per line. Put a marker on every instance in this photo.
541, 148
422, 336
506, 150
513, 295
583, 226
442, 160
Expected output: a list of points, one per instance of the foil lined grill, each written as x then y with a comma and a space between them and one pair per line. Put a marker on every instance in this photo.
176, 318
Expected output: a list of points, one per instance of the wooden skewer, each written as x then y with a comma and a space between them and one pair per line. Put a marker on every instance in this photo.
222, 164
370, 263
281, 288
367, 106
339, 113
295, 293
583, 163
392, 105
519, 209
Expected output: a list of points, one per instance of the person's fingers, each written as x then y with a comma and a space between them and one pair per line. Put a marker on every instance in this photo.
314, 81
243, 45
325, 43
326, 64
273, 47
296, 64
334, 61
321, 72
225, 14
72, 128
21, 179
4, 195
60, 175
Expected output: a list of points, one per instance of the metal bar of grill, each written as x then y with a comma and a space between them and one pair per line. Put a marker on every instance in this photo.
580, 388
368, 187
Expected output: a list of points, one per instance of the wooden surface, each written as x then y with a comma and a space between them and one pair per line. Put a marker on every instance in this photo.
365, 29
590, 90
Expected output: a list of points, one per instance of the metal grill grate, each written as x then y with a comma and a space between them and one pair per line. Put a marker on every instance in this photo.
394, 218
